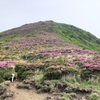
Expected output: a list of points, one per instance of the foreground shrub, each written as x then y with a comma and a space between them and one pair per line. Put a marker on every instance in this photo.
25, 86
85, 74
2, 89
20, 69
93, 97
23, 71
44, 86
6, 74
1, 79
53, 75
70, 96
54, 72
2, 71
91, 75
71, 71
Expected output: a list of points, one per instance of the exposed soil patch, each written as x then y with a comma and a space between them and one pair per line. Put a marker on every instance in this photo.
24, 94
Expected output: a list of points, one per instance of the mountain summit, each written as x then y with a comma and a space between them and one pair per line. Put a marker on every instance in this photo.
67, 33
50, 57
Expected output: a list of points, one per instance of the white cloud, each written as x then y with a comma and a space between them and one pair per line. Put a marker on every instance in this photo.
81, 13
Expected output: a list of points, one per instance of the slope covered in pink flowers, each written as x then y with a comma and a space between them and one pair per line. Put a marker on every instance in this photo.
52, 57
42, 38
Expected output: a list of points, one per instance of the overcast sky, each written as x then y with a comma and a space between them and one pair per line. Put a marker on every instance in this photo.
84, 14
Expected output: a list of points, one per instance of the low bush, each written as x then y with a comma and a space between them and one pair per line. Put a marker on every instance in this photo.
6, 74
2, 89
25, 86
21, 69
88, 74
1, 79
94, 97
71, 70
2, 71
44, 86
52, 75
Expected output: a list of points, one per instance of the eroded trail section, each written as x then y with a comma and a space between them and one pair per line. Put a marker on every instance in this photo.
24, 94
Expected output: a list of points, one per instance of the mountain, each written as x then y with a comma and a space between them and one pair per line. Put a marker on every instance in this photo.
59, 59
68, 33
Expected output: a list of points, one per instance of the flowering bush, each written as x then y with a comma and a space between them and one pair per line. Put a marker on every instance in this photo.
6, 64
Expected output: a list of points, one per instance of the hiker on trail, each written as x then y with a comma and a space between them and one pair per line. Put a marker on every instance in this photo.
13, 75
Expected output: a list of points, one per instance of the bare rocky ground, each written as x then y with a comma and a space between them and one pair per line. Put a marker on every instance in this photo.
17, 90
14, 93
25, 94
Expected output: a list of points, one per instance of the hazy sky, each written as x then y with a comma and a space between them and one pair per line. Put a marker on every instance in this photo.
84, 14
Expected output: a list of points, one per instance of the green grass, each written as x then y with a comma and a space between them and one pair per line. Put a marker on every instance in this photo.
77, 36
68, 33
38, 77
92, 85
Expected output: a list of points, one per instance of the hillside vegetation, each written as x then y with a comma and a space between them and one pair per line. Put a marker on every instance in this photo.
55, 58
66, 32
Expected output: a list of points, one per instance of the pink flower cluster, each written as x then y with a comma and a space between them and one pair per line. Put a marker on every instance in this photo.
6, 64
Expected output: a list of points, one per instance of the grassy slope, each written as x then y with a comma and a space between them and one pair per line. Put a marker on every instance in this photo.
66, 32
28, 42
77, 36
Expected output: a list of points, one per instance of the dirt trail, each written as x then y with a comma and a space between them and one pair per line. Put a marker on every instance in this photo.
24, 94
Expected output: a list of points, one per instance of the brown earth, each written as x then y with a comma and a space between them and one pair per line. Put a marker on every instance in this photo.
24, 94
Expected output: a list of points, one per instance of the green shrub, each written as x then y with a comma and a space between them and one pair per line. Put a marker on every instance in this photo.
60, 60
38, 77
1, 79
71, 70
20, 69
2, 71
23, 71
93, 97
25, 86
85, 74
52, 75
6, 74
23, 75
38, 85
44, 86
2, 90
71, 96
